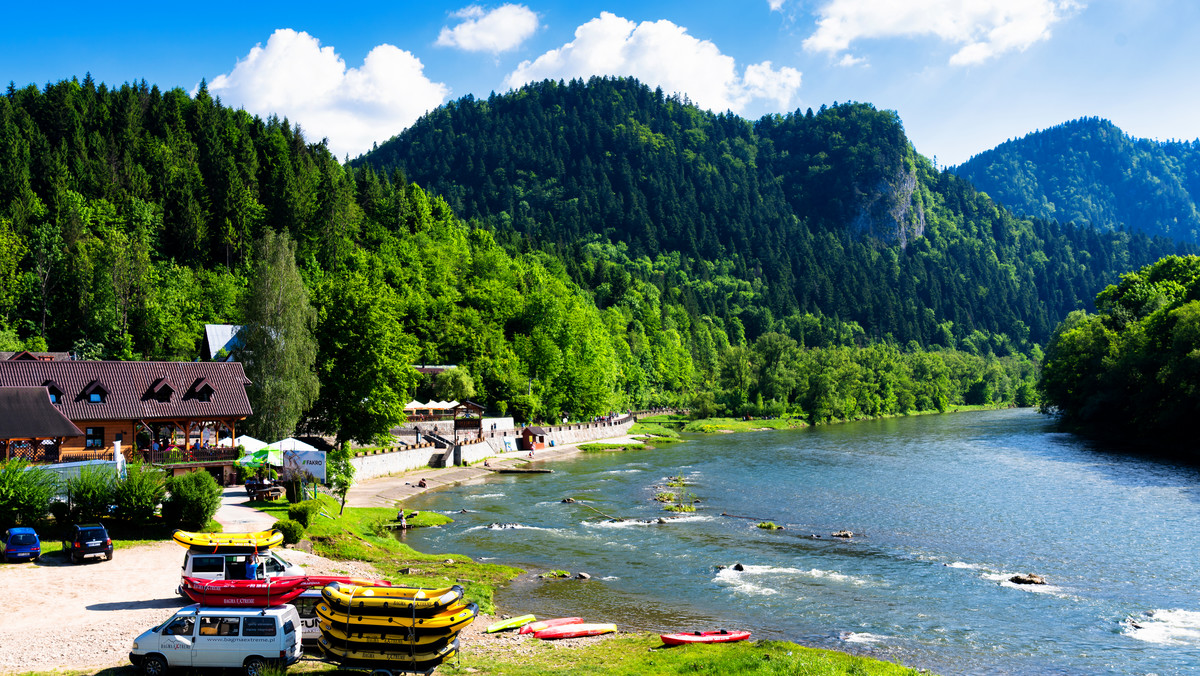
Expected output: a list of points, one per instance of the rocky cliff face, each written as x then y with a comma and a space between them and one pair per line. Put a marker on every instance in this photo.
886, 210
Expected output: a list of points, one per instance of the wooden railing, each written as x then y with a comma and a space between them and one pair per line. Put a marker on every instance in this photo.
179, 454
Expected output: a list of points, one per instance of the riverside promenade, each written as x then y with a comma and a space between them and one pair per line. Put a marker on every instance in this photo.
385, 491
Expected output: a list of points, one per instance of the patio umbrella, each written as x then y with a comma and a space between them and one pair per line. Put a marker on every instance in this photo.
291, 444
263, 456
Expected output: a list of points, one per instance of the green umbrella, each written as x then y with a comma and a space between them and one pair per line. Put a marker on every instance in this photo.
263, 456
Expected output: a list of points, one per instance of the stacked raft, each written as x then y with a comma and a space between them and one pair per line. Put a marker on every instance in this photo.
395, 628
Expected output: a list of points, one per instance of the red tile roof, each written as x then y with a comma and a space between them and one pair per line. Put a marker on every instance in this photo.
127, 388
26, 413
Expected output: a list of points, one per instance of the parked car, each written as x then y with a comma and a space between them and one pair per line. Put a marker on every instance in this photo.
88, 539
252, 639
233, 566
20, 544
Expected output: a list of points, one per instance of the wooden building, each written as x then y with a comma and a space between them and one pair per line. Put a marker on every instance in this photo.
468, 421
31, 428
532, 438
179, 403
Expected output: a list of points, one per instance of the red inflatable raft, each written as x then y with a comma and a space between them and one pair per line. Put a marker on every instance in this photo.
721, 636
261, 593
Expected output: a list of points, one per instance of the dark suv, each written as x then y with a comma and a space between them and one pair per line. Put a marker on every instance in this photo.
88, 539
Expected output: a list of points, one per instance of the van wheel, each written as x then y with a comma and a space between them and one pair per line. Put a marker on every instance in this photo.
154, 665
254, 666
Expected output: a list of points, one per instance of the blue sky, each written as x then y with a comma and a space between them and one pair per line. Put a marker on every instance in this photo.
965, 75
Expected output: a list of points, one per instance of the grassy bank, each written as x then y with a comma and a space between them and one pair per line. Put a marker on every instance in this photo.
676, 423
362, 534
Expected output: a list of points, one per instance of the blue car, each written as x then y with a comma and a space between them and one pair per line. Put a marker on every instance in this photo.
20, 544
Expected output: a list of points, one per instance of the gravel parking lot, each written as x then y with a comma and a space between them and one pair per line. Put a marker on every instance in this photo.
58, 615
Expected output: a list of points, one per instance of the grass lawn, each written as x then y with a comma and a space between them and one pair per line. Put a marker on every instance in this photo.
361, 533
711, 425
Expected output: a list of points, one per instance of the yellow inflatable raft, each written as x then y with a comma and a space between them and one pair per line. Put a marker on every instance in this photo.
403, 601
451, 619
403, 660
211, 542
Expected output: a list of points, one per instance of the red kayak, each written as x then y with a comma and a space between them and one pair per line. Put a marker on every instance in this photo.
574, 631
260, 593
546, 624
721, 636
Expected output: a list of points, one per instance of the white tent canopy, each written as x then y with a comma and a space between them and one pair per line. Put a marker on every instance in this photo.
248, 442
291, 444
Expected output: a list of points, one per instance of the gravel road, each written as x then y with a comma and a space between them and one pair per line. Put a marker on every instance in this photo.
58, 615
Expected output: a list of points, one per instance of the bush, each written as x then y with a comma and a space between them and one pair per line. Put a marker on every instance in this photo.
193, 499
91, 493
302, 512
293, 531
140, 493
61, 512
25, 493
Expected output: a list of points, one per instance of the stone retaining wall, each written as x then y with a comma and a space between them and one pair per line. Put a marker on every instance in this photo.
567, 434
400, 459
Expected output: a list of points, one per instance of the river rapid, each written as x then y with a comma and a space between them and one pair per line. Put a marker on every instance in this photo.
944, 510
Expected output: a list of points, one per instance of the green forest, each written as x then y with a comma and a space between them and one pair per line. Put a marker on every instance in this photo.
574, 248
1088, 171
1133, 367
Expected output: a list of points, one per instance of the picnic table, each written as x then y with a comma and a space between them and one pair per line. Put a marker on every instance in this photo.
265, 492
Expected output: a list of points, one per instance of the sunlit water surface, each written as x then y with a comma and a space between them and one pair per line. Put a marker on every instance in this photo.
945, 510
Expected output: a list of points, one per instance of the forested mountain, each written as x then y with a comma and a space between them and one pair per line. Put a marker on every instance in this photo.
628, 250
1088, 171
828, 214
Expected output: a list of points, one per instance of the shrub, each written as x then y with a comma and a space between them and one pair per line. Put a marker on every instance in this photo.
25, 493
91, 493
61, 512
293, 531
768, 525
302, 512
139, 494
192, 500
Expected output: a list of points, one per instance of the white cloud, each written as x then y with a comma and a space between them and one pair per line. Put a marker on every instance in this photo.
775, 5
294, 76
661, 54
496, 31
984, 28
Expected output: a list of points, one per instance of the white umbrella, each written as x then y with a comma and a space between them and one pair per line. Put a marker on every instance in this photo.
249, 443
291, 444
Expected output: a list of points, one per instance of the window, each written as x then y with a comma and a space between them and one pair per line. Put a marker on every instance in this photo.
208, 564
96, 398
180, 626
95, 437
259, 626
288, 627
306, 606
55, 392
219, 626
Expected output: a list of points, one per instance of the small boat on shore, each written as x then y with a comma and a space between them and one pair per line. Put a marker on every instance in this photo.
546, 624
574, 631
722, 636
514, 623
234, 542
407, 601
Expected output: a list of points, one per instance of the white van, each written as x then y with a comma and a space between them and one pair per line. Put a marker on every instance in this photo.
198, 636
306, 605
233, 566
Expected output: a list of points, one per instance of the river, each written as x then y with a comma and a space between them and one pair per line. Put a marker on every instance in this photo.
945, 509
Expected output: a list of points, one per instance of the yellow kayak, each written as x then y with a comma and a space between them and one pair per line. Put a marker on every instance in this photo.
367, 600
258, 540
451, 620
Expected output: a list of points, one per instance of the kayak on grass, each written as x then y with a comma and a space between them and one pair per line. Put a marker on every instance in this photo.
574, 631
722, 636
513, 623
546, 624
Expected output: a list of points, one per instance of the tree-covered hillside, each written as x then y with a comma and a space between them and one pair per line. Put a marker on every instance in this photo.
1134, 367
130, 217
1088, 171
829, 214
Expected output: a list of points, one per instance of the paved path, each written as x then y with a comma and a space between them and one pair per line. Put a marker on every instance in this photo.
385, 491
236, 517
